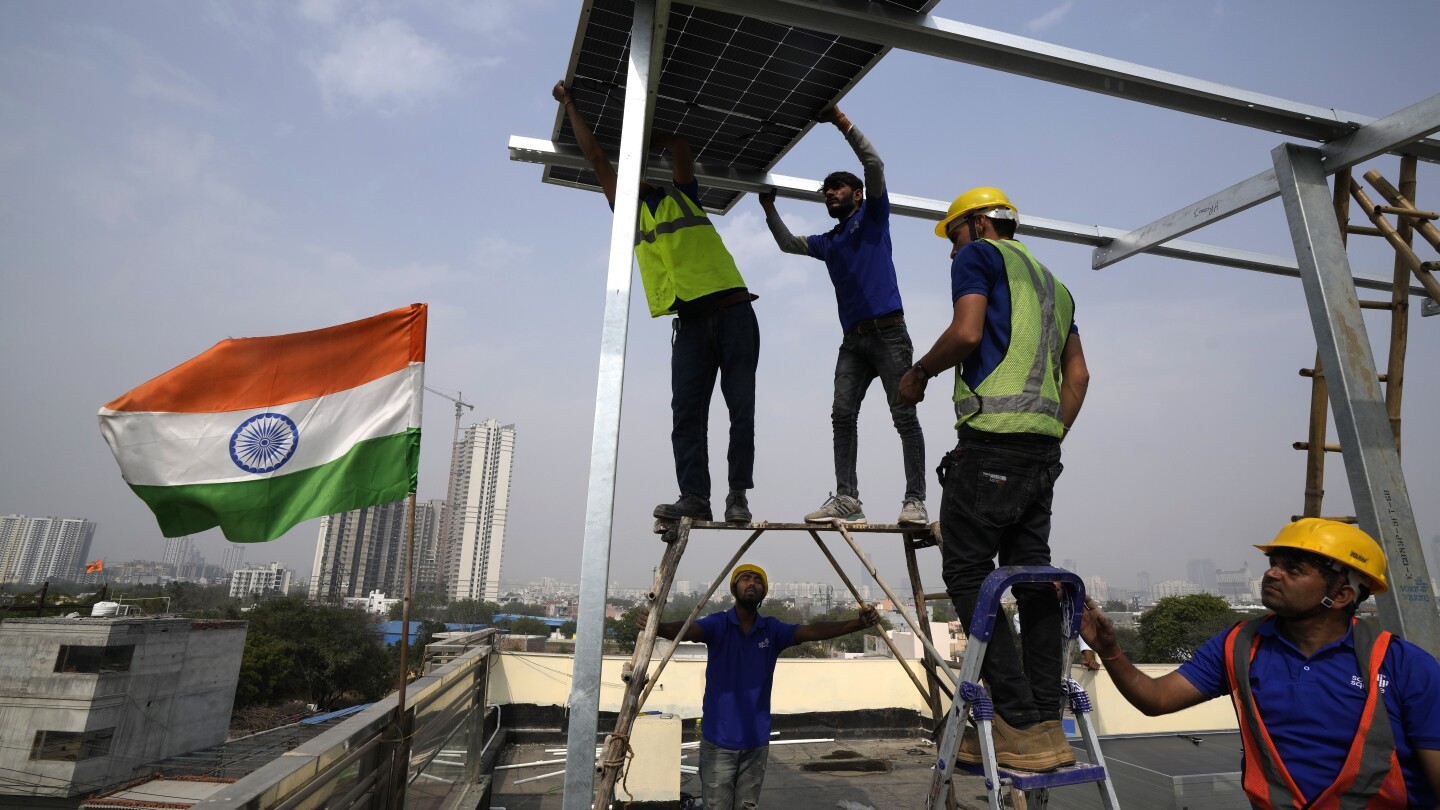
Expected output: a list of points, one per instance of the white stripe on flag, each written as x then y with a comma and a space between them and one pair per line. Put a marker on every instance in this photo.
169, 449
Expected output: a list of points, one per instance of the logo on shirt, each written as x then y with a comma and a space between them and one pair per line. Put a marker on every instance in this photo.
1359, 683
764, 643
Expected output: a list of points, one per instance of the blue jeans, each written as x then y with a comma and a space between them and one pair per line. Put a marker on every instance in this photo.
864, 356
998, 491
726, 342
730, 779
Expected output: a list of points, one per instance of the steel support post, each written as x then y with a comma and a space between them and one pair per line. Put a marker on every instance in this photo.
1372, 464
647, 39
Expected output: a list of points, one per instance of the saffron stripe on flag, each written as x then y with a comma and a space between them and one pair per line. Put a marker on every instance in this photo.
261, 372
263, 509
169, 449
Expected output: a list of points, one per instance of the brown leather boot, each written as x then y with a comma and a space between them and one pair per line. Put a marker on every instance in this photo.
1062, 745
969, 752
1030, 749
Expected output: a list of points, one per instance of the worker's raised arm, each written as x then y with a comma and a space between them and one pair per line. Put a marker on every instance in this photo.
669, 629
867, 616
873, 166
585, 139
1152, 696
682, 161
788, 242
967, 322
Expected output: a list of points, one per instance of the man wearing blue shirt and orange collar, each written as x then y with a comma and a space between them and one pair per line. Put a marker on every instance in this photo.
739, 674
857, 252
1333, 712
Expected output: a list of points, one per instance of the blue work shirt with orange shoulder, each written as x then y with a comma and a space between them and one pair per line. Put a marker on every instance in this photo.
1312, 706
738, 678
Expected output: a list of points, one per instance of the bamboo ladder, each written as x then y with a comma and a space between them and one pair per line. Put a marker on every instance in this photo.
1409, 221
613, 761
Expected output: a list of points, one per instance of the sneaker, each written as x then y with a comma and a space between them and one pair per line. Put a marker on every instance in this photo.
737, 507
912, 513
838, 509
1039, 748
691, 506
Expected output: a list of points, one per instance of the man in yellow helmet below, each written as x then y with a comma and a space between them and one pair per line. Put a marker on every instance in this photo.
875, 343
1020, 381
688, 272
739, 674
1333, 712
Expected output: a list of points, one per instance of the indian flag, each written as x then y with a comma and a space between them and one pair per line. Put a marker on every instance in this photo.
259, 434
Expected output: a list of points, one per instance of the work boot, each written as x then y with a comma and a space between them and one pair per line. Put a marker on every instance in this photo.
737, 507
912, 513
691, 506
1029, 749
838, 509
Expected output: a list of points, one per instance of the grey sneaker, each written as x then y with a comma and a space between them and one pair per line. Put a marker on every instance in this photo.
912, 513
737, 507
691, 506
838, 509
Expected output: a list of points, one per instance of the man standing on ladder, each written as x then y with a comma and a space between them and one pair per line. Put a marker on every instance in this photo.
1333, 712
1019, 384
687, 272
739, 674
857, 252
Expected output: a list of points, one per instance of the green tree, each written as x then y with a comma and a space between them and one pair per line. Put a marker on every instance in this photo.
526, 626
1116, 606
334, 652
1175, 628
943, 611
522, 608
471, 611
423, 605
568, 629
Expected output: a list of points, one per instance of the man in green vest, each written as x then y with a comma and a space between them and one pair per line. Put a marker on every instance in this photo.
687, 272
1020, 381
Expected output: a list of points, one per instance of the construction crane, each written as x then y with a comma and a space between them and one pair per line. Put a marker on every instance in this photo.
459, 400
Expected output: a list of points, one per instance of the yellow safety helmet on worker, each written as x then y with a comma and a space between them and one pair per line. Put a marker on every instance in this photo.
987, 199
1341, 543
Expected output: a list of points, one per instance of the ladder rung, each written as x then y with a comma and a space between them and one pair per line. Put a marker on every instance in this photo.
1336, 518
1363, 230
1413, 213
937, 597
1377, 304
1329, 448
1310, 372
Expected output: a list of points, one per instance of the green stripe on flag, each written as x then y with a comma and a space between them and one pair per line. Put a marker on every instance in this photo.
373, 472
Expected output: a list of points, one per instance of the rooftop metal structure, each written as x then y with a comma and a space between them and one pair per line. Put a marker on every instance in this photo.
742, 80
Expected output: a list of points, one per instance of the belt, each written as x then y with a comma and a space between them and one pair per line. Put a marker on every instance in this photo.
876, 324
692, 310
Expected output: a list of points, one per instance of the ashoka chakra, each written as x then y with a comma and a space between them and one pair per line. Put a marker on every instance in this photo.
264, 442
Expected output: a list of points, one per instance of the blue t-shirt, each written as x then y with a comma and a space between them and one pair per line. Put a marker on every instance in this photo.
738, 677
857, 253
979, 268
1311, 707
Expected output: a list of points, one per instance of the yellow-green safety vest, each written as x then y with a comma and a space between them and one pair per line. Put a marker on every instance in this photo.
1022, 393
680, 254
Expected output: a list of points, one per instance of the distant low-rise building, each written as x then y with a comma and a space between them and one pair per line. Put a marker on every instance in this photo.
270, 580
90, 702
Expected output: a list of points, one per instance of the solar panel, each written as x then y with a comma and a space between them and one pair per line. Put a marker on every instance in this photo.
742, 91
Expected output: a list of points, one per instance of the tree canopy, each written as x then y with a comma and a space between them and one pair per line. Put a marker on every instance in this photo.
296, 650
1177, 626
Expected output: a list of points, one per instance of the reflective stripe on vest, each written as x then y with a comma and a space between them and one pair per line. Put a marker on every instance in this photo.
680, 254
1022, 393
1371, 776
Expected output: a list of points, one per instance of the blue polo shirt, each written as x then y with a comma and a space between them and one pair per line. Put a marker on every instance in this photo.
979, 268
1311, 706
857, 253
738, 677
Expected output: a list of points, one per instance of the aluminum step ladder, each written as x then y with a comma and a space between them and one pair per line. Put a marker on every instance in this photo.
1028, 790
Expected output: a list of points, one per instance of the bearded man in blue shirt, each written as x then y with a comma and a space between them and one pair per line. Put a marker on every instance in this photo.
1333, 712
739, 675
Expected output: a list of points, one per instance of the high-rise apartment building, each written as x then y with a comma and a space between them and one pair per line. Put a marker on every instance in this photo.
36, 550
363, 550
233, 558
1202, 573
478, 501
258, 580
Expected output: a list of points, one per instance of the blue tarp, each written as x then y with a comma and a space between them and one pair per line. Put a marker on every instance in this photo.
392, 630
320, 718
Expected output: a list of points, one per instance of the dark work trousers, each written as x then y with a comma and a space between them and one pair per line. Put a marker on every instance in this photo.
998, 491
885, 353
724, 341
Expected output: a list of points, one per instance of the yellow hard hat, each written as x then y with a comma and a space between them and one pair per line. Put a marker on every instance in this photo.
971, 201
1341, 542
740, 569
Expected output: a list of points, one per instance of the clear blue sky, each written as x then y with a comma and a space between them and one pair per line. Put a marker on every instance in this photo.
175, 173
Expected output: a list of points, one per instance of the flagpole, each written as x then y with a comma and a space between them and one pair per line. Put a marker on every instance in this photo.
403, 750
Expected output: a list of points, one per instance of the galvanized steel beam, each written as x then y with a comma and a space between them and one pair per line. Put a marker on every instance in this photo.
1372, 463
647, 40
1387, 134
536, 150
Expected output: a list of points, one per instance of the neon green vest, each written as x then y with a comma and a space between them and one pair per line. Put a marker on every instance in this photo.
1022, 394
680, 254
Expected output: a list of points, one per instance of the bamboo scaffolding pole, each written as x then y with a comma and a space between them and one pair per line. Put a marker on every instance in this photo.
937, 711
1427, 230
1403, 251
856, 593
1400, 298
617, 744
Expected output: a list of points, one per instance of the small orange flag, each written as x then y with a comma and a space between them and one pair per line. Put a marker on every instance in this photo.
98, 565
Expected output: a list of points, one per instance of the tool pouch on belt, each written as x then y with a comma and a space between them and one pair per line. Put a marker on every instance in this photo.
947, 463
